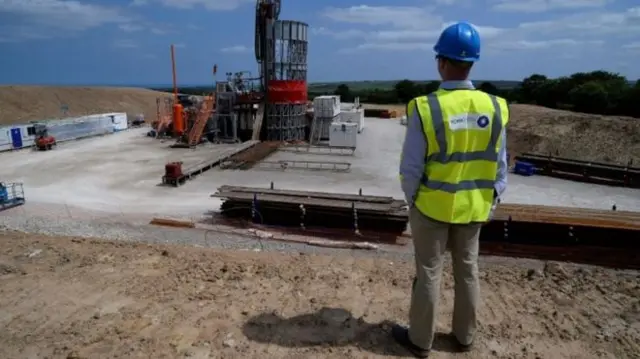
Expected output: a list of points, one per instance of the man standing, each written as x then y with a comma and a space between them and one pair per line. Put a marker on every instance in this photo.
453, 170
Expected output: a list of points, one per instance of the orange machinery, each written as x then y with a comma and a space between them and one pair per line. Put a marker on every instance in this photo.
178, 118
44, 141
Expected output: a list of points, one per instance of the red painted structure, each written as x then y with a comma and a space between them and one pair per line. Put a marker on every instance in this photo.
287, 91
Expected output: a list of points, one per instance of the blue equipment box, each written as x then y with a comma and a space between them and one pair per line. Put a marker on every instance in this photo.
524, 168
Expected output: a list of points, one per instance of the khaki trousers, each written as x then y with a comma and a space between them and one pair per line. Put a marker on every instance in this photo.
431, 239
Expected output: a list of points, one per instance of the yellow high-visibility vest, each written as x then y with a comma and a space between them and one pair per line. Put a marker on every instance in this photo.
463, 130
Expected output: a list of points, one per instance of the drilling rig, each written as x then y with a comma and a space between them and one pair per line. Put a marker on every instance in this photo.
269, 107
281, 52
273, 105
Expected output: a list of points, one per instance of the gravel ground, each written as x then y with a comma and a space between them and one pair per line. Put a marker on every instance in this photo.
55, 220
147, 292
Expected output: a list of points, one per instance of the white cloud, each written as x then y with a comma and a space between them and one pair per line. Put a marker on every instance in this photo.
546, 5
140, 26
36, 19
536, 45
397, 16
389, 46
399, 34
412, 28
633, 46
60, 14
389, 35
190, 4
158, 31
130, 27
18, 33
598, 24
235, 49
402, 25
125, 44
512, 45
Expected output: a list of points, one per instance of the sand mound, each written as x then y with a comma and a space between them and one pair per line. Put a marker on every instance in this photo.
574, 135
569, 134
19, 104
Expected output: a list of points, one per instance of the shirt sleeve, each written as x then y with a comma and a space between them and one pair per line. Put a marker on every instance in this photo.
413, 154
503, 166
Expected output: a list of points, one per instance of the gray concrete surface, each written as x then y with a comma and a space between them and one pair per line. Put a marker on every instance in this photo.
120, 173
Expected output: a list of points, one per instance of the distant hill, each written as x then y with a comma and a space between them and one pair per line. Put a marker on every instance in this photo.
388, 85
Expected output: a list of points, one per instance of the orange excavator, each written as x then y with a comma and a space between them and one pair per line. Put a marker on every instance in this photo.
44, 141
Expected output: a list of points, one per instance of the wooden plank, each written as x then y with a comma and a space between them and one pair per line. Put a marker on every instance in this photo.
521, 213
322, 195
307, 201
621, 219
571, 221
622, 216
284, 165
172, 223
220, 156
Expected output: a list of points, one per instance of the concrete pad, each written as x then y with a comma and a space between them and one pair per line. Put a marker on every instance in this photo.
120, 173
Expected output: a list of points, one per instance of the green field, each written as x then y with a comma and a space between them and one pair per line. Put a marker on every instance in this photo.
388, 85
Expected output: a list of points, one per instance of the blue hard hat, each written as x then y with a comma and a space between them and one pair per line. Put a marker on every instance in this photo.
460, 41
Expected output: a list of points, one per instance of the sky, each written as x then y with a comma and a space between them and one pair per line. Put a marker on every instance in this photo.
127, 42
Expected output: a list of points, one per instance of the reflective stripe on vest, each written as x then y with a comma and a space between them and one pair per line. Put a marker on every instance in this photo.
457, 187
489, 154
437, 119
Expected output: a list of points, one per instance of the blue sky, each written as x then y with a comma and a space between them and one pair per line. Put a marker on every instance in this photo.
127, 41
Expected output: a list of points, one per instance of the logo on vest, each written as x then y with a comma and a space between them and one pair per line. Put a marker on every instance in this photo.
483, 121
469, 121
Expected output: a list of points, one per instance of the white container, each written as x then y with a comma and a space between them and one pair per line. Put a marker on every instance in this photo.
322, 127
119, 120
5, 139
343, 134
326, 106
15, 137
80, 127
353, 116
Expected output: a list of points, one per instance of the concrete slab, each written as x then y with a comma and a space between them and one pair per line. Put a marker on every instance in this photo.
120, 173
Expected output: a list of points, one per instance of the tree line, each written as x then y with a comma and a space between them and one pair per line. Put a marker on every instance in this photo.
597, 92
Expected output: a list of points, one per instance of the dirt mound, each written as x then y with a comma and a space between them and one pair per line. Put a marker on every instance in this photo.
582, 136
19, 104
76, 298
574, 135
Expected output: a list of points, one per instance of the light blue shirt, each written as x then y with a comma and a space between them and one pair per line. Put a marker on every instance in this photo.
415, 149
